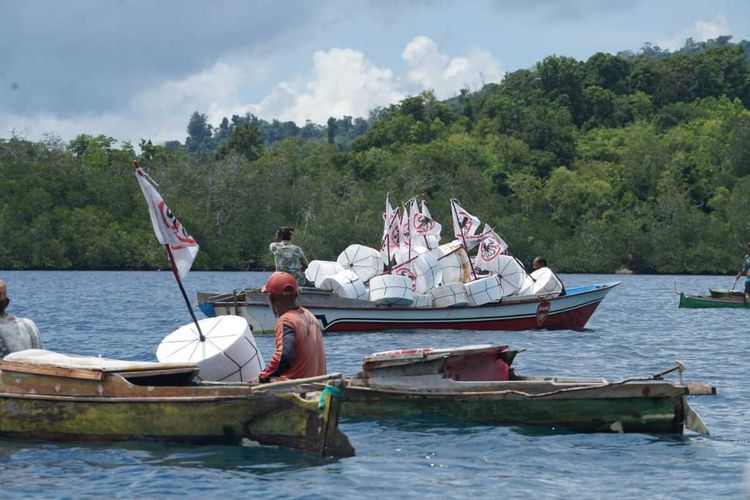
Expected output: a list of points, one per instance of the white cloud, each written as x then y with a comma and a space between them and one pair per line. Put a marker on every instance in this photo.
160, 113
346, 82
343, 82
431, 69
700, 31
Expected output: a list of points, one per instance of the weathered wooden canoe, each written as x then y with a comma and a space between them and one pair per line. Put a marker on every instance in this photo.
54, 397
710, 301
337, 314
476, 383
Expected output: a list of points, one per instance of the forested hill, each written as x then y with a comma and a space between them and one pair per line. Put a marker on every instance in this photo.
631, 160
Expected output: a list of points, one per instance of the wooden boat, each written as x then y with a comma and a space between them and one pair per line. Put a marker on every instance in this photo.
337, 314
477, 383
723, 292
54, 397
711, 301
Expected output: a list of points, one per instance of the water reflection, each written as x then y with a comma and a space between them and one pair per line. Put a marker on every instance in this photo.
256, 459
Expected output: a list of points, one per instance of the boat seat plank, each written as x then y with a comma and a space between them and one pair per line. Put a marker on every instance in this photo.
55, 371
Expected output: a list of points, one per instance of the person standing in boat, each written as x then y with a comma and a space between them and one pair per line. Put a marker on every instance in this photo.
299, 341
745, 269
16, 334
289, 258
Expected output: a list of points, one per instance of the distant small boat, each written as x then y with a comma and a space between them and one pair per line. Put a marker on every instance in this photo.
723, 292
55, 397
734, 300
477, 383
337, 314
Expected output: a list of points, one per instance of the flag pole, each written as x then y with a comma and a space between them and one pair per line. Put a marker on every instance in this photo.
388, 240
182, 289
424, 236
388, 223
463, 238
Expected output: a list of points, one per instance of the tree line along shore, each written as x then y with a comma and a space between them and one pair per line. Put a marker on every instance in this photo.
634, 162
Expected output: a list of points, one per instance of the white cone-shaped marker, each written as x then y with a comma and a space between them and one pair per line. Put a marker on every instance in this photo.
545, 282
318, 270
391, 289
450, 295
345, 284
510, 273
484, 291
229, 353
364, 261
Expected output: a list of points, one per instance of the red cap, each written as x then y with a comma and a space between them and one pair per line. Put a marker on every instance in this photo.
280, 284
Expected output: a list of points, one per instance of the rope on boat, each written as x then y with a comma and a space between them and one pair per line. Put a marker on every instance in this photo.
334, 391
655, 377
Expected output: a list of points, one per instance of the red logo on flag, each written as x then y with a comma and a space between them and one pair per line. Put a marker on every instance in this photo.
405, 271
174, 225
422, 223
489, 249
465, 223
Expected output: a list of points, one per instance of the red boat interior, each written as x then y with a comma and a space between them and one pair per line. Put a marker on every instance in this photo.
492, 364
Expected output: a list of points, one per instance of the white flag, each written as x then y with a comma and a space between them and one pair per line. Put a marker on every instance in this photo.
466, 225
391, 232
405, 226
167, 228
491, 247
427, 227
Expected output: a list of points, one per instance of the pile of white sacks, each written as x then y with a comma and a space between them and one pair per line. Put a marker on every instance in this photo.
441, 277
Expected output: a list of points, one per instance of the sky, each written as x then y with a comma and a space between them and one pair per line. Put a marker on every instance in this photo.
138, 69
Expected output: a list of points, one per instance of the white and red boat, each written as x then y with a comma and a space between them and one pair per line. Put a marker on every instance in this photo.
338, 314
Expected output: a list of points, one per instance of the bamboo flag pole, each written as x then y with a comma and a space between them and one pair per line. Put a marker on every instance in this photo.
463, 239
184, 294
161, 226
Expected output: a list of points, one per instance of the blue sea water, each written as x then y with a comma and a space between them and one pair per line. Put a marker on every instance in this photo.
637, 330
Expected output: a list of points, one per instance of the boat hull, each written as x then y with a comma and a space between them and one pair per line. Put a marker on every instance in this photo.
476, 383
571, 311
588, 411
57, 404
709, 302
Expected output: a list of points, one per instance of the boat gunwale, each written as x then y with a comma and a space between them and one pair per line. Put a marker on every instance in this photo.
678, 389
147, 399
369, 306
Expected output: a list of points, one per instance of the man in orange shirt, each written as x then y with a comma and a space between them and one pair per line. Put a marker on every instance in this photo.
299, 341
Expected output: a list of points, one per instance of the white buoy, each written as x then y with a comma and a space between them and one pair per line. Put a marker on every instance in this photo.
449, 295
510, 272
366, 262
454, 263
526, 286
345, 284
423, 269
545, 282
484, 290
422, 300
229, 353
391, 289
318, 270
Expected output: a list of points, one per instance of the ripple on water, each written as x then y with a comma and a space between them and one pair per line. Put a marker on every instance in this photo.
637, 330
